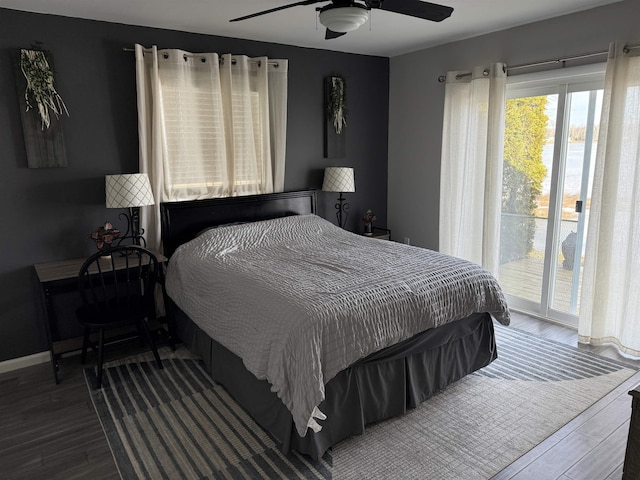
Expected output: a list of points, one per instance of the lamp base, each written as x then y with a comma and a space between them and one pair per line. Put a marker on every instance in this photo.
134, 232
342, 214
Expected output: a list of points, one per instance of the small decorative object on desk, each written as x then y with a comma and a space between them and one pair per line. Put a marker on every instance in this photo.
104, 235
368, 219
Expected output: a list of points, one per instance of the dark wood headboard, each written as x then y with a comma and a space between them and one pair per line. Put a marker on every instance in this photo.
182, 221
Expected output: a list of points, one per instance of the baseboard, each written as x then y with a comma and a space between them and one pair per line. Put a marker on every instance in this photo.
22, 362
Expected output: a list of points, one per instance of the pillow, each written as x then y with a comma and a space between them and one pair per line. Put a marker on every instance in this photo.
219, 226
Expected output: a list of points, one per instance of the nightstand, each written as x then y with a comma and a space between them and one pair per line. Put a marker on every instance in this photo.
379, 233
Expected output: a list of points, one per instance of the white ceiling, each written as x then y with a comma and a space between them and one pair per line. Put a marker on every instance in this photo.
387, 34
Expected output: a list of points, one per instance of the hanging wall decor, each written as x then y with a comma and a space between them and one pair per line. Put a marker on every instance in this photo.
40, 107
335, 116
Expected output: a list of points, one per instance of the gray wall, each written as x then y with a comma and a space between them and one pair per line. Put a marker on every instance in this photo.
47, 213
417, 99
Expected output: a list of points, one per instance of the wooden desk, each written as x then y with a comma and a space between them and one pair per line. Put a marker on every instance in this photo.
58, 278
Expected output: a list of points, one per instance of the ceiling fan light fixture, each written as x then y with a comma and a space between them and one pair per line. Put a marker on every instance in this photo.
343, 19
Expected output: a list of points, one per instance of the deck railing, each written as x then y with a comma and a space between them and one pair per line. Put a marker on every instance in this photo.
523, 277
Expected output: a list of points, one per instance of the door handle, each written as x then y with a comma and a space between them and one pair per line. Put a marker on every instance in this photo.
578, 206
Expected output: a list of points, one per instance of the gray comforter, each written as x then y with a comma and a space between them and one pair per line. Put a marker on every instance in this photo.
299, 299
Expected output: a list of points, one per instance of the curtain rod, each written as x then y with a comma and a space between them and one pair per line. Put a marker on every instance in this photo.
626, 49
233, 62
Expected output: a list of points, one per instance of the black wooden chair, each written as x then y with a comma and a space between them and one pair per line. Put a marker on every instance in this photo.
117, 291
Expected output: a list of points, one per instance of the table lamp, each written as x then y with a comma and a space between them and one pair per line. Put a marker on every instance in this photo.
130, 191
339, 179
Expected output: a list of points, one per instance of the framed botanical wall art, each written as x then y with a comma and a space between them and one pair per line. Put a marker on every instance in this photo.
335, 144
40, 108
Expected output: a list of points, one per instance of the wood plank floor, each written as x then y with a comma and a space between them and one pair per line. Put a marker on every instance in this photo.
51, 431
590, 447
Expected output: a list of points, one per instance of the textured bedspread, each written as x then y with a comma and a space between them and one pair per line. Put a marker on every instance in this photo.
299, 299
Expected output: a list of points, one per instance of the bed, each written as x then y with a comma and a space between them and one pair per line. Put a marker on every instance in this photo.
316, 331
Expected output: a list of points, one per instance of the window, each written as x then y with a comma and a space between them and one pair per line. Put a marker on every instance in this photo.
195, 149
203, 158
551, 126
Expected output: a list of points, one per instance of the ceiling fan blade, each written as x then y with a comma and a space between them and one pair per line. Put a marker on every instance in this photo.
271, 10
417, 8
329, 34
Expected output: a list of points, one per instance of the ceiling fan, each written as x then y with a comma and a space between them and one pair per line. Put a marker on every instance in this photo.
342, 16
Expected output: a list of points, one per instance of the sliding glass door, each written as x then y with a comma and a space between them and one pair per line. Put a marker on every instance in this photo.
551, 126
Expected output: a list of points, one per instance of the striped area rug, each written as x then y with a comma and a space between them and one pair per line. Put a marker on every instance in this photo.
175, 423
526, 357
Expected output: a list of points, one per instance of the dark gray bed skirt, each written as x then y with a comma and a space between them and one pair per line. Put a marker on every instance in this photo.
383, 385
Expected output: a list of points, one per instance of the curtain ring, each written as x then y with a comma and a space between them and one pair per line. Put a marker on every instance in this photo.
165, 55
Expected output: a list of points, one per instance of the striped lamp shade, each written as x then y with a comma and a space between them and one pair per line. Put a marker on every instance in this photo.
129, 190
338, 179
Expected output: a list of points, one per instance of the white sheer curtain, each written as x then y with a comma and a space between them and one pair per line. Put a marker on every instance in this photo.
209, 126
471, 165
610, 303
278, 76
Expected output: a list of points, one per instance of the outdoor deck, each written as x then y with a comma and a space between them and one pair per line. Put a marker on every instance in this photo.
523, 278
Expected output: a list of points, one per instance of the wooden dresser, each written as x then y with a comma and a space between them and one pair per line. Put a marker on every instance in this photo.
632, 457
